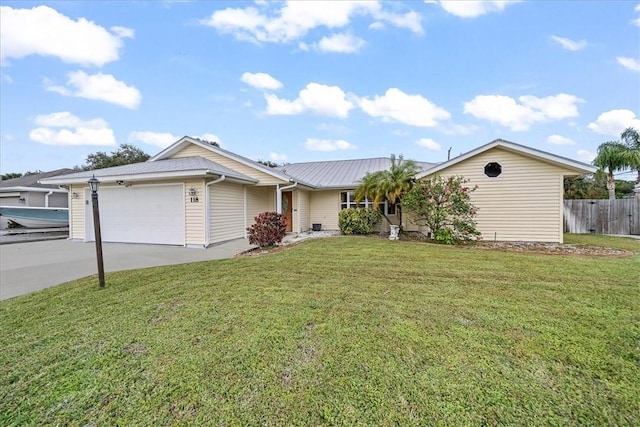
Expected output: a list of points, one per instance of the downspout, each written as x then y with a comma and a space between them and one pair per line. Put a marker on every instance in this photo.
207, 214
288, 187
279, 197
46, 198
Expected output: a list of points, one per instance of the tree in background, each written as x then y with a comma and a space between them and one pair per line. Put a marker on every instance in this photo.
10, 175
270, 164
14, 175
614, 157
594, 187
124, 155
391, 184
631, 139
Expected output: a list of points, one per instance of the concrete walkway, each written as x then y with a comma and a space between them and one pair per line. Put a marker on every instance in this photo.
32, 266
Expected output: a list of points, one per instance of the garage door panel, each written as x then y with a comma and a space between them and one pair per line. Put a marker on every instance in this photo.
141, 214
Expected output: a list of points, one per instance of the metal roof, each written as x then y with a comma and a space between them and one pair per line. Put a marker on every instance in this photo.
32, 181
184, 164
339, 173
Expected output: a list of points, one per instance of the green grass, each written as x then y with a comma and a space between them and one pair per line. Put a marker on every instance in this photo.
342, 331
605, 241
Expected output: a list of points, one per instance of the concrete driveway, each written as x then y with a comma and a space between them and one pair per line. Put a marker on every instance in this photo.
32, 266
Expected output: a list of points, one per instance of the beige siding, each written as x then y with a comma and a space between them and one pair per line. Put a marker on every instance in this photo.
324, 206
194, 213
77, 208
523, 203
301, 215
197, 151
226, 207
259, 199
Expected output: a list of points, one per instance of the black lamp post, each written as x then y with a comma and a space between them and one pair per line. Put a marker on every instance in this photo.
94, 184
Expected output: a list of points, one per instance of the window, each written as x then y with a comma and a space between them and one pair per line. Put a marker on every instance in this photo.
492, 169
347, 200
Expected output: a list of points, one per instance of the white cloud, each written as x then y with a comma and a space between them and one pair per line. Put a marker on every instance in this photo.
560, 140
614, 122
637, 20
340, 43
315, 98
508, 112
429, 143
277, 157
6, 78
630, 63
101, 87
569, 44
410, 20
44, 31
586, 156
123, 32
313, 144
472, 9
159, 139
261, 81
413, 110
294, 19
64, 128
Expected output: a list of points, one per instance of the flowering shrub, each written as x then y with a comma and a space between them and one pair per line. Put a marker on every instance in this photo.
444, 206
358, 220
268, 230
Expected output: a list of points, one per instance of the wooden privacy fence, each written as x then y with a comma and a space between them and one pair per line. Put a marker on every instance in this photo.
601, 216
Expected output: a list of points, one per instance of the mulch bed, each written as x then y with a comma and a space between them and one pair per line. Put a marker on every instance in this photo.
552, 248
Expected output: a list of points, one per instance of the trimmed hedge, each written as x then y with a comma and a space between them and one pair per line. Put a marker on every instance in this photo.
358, 220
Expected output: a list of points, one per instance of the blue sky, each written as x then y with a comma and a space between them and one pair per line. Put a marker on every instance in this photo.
307, 81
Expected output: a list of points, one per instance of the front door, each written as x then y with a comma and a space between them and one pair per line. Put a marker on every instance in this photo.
287, 209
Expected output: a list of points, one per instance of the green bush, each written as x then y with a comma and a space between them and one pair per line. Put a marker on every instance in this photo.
444, 206
358, 220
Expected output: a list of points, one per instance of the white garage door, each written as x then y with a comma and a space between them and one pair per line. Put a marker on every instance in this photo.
139, 214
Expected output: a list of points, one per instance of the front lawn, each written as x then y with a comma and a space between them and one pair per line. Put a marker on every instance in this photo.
337, 331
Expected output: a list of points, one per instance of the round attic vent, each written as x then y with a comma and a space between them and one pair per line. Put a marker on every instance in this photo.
492, 169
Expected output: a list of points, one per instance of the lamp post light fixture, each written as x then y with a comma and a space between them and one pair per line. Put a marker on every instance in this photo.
94, 184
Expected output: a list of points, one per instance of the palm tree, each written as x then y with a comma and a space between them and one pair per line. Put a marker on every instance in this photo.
389, 184
613, 157
631, 138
